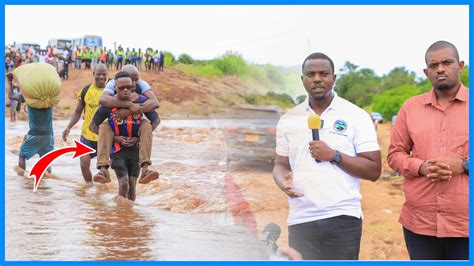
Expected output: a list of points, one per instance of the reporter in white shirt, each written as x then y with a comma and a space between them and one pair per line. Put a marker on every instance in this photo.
325, 216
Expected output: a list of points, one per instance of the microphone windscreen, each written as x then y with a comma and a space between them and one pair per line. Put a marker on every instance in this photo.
272, 231
314, 121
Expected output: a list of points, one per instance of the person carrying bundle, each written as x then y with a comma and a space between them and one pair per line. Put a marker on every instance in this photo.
40, 87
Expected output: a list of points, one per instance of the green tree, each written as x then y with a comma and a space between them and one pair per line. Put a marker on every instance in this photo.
169, 59
275, 75
357, 85
465, 76
349, 67
185, 59
388, 103
397, 77
231, 63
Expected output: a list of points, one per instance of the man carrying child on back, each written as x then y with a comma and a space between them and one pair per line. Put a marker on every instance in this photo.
124, 152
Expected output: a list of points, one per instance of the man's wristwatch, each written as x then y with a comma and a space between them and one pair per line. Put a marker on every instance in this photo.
465, 166
337, 158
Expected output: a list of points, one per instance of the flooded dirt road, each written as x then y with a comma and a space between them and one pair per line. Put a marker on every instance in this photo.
200, 209
193, 212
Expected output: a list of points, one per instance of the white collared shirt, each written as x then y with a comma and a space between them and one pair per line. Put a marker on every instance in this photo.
329, 191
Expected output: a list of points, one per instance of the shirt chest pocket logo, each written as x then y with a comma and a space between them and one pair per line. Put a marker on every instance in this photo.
340, 126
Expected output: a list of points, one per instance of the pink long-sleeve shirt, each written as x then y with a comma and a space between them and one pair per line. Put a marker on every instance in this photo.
424, 130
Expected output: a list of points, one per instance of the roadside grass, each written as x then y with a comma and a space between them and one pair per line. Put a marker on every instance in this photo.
282, 85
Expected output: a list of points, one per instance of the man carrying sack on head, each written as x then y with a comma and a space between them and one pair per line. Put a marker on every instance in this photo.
40, 87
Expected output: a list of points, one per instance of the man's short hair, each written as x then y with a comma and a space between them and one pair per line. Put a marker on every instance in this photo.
442, 45
121, 74
318, 56
130, 69
99, 65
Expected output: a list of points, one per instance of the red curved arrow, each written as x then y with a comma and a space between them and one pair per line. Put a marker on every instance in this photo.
44, 162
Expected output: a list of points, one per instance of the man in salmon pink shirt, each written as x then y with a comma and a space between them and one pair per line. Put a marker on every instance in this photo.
430, 148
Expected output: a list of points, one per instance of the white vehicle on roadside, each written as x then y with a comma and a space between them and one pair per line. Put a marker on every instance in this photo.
60, 45
90, 41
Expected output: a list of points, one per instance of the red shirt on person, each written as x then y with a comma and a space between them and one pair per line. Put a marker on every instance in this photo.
424, 130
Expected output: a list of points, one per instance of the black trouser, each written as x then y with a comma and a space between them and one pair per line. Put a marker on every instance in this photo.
88, 63
422, 247
126, 162
335, 238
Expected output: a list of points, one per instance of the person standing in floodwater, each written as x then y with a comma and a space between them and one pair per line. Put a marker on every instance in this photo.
88, 102
125, 152
39, 139
107, 99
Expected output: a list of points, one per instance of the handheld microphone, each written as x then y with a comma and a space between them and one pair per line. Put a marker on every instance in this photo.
270, 235
314, 123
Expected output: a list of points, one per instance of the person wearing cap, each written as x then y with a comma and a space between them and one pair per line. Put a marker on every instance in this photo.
322, 177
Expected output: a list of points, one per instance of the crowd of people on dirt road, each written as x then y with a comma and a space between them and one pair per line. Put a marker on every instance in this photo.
86, 58
147, 60
81, 58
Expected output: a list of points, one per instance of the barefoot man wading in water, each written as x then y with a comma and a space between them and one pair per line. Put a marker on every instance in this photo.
88, 102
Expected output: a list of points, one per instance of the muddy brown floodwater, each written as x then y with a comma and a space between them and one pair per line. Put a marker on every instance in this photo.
193, 212
200, 209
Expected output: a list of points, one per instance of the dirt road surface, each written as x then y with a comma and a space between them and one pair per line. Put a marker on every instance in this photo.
382, 235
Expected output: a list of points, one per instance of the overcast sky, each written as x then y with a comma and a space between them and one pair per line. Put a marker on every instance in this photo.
377, 37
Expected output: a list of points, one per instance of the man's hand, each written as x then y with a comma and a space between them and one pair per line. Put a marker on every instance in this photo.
443, 168
66, 133
119, 139
130, 142
127, 142
287, 187
135, 108
321, 151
